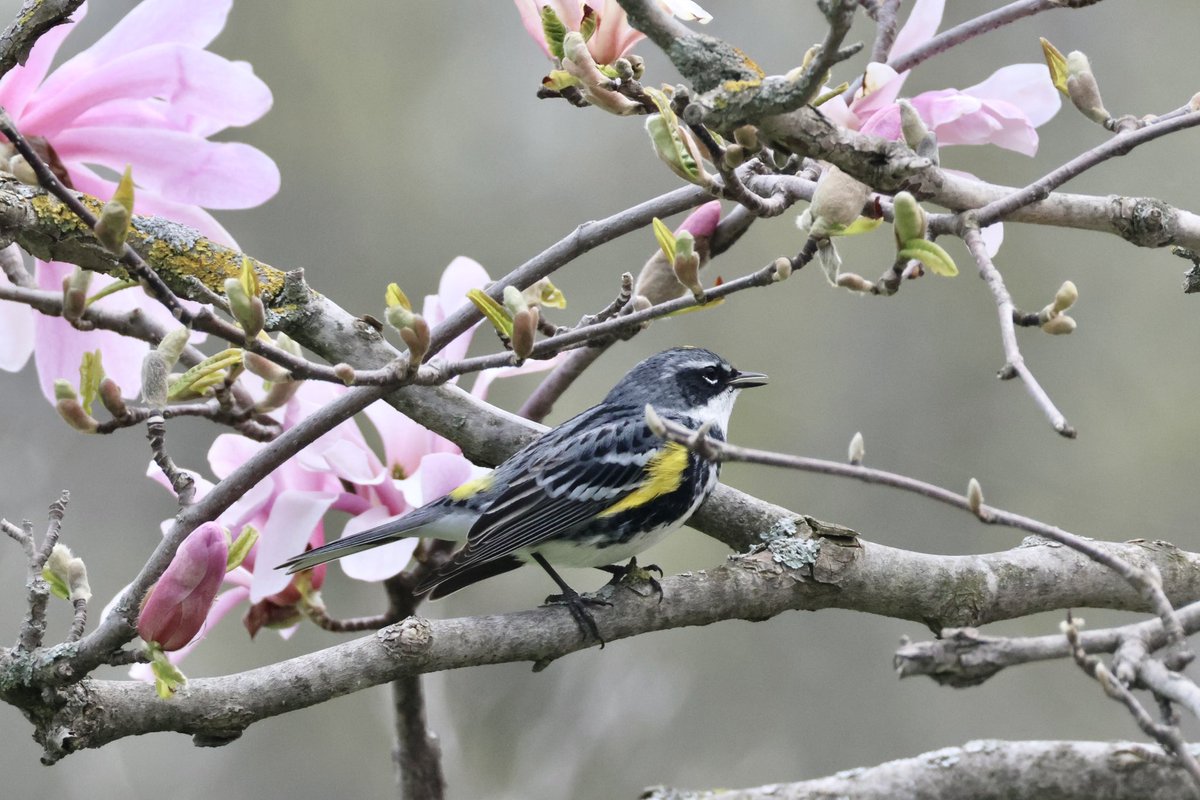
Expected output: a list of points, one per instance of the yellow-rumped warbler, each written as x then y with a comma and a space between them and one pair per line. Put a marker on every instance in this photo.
593, 492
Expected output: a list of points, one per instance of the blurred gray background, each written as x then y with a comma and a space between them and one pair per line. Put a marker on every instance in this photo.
408, 133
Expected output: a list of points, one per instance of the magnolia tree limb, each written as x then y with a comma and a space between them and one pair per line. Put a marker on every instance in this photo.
787, 573
989, 770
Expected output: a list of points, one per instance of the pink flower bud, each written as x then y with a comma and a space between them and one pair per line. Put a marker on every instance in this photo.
176, 607
703, 221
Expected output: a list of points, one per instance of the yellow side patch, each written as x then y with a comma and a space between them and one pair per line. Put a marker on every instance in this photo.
472, 488
664, 474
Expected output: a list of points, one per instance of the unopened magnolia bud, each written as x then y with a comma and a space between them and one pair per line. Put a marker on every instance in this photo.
247, 309
917, 135
623, 69
638, 64
747, 137
735, 156
855, 283
110, 396
399, 317
156, 374
524, 326
416, 336
72, 411
171, 346
1065, 297
77, 581
75, 289
21, 170
514, 300
287, 344
264, 367
113, 225
59, 562
858, 449
344, 373
910, 222
278, 395
177, 606
1059, 325
975, 497
837, 201
1083, 89
783, 269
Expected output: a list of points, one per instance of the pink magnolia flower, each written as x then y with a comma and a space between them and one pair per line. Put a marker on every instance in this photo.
613, 37
1004, 110
150, 95
178, 604
339, 471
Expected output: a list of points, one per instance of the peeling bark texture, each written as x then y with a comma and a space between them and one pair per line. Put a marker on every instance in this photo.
989, 770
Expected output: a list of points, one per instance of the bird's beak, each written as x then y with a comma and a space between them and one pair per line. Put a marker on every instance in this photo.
745, 379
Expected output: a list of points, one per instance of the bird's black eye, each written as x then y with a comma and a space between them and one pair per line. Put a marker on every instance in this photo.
711, 374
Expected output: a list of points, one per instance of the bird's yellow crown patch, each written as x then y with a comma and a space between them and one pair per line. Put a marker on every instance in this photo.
664, 474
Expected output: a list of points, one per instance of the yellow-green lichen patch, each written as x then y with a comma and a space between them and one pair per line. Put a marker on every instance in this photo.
181, 254
50, 211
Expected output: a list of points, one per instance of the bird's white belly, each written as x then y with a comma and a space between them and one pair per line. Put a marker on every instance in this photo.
581, 553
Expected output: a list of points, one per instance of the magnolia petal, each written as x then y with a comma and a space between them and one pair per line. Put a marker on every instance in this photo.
294, 518
881, 87
484, 381
920, 27
460, 275
378, 563
179, 166
188, 80
148, 23
440, 474
1026, 86
17, 323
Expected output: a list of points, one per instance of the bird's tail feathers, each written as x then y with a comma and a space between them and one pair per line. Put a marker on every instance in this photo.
399, 528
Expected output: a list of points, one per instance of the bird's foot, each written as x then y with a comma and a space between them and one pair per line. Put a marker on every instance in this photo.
578, 604
632, 574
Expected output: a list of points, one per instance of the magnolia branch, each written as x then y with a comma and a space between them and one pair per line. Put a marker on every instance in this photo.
989, 768
962, 657
1145, 582
786, 573
1014, 362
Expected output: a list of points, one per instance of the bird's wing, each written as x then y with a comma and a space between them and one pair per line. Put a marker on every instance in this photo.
596, 467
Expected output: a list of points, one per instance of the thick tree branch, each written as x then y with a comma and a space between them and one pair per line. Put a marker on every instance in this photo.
989, 770
786, 573
35, 18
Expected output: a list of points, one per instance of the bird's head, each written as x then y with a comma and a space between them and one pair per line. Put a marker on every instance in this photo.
685, 380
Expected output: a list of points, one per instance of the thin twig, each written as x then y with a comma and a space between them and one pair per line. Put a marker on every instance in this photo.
1168, 736
181, 483
885, 15
966, 657
1014, 361
1146, 583
1119, 145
